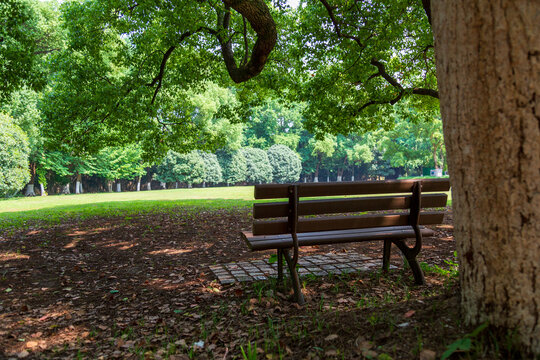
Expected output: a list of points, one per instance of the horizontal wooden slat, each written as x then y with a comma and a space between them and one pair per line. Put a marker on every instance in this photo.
276, 191
336, 206
256, 243
272, 227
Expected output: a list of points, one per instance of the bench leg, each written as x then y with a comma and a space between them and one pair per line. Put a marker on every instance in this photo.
298, 296
413, 263
386, 255
280, 266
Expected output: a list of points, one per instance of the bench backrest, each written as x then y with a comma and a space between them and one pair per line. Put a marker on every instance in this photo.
328, 206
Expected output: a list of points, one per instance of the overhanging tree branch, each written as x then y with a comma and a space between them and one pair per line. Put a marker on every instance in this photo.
258, 15
158, 79
392, 81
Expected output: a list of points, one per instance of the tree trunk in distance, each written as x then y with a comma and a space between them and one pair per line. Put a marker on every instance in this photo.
66, 191
109, 186
488, 69
204, 184
176, 185
315, 179
163, 185
327, 178
42, 190
149, 186
30, 190
139, 183
119, 187
78, 184
30, 186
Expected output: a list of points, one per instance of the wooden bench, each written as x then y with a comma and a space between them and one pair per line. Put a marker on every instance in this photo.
283, 225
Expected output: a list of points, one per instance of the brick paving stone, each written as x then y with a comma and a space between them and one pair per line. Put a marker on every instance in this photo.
318, 265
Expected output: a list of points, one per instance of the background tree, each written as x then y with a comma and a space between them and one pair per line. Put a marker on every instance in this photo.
56, 166
23, 108
116, 163
321, 150
14, 153
189, 168
233, 165
165, 170
212, 170
286, 165
259, 170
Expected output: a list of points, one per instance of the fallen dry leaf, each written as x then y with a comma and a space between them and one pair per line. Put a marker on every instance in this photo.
331, 337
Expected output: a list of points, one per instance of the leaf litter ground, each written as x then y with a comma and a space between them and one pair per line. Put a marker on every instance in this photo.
139, 287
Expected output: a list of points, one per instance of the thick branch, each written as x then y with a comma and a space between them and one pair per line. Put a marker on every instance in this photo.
158, 79
258, 15
427, 92
401, 90
382, 72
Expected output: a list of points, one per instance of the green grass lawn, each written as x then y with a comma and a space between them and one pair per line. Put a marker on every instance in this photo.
51, 209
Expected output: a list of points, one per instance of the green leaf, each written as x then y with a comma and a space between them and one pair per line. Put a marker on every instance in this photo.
113, 291
272, 259
8, 290
463, 344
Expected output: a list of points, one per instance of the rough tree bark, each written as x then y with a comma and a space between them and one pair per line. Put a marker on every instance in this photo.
488, 68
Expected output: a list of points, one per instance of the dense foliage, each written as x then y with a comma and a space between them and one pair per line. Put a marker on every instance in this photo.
133, 89
286, 165
14, 153
259, 170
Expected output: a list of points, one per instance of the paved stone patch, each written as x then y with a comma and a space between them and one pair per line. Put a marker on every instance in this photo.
318, 265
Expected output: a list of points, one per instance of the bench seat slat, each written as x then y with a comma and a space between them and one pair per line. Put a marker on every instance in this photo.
274, 227
277, 191
257, 243
334, 206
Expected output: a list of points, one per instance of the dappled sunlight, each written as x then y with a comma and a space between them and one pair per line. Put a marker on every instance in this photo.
116, 286
72, 244
37, 342
8, 256
120, 245
169, 252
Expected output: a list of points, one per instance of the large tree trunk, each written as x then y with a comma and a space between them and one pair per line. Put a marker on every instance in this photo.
488, 67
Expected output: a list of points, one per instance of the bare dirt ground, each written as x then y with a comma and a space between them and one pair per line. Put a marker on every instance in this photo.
139, 287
